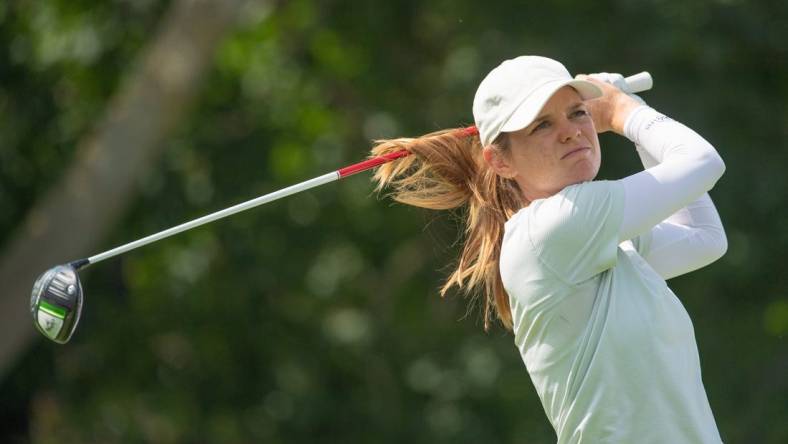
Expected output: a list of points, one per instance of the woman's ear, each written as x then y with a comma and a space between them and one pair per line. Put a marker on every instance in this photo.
498, 162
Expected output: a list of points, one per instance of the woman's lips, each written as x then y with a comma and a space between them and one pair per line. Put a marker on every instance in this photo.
576, 151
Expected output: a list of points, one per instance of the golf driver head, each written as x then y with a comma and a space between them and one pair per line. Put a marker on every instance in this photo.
56, 303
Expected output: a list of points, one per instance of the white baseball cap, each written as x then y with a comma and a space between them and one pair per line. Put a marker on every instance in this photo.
513, 93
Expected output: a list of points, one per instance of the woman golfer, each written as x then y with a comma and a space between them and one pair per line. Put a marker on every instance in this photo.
576, 268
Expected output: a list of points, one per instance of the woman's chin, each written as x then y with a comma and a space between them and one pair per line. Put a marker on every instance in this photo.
584, 175
587, 171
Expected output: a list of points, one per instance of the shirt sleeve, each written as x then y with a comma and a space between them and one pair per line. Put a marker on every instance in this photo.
679, 165
687, 167
689, 239
575, 232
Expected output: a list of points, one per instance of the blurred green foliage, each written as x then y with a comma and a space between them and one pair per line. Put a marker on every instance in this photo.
317, 318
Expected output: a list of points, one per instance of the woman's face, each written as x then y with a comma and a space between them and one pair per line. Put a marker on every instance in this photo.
558, 149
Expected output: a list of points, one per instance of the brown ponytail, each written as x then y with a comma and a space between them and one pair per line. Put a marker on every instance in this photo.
446, 170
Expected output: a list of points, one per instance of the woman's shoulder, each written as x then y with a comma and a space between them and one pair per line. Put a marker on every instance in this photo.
584, 192
568, 200
568, 211
573, 233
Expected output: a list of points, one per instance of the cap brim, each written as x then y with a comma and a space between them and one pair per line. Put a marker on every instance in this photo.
527, 111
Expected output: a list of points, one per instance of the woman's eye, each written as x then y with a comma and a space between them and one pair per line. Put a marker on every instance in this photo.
542, 125
580, 113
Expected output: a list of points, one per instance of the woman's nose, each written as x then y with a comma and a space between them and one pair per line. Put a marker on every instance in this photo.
568, 131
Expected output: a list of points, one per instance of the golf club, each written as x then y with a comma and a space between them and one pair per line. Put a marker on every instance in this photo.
57, 298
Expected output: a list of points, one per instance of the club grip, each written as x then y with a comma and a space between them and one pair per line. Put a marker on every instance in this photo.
639, 82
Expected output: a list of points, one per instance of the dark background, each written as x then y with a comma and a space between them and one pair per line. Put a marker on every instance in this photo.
317, 318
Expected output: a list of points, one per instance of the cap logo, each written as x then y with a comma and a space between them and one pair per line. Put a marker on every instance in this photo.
494, 101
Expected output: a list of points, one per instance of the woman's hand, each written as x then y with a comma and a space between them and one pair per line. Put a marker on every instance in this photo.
610, 111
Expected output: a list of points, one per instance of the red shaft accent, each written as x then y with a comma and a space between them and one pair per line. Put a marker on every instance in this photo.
469, 131
375, 161
371, 163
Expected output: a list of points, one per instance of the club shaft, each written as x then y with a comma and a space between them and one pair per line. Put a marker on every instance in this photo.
284, 192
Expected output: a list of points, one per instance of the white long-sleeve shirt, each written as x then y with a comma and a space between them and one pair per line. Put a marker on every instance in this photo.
610, 349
